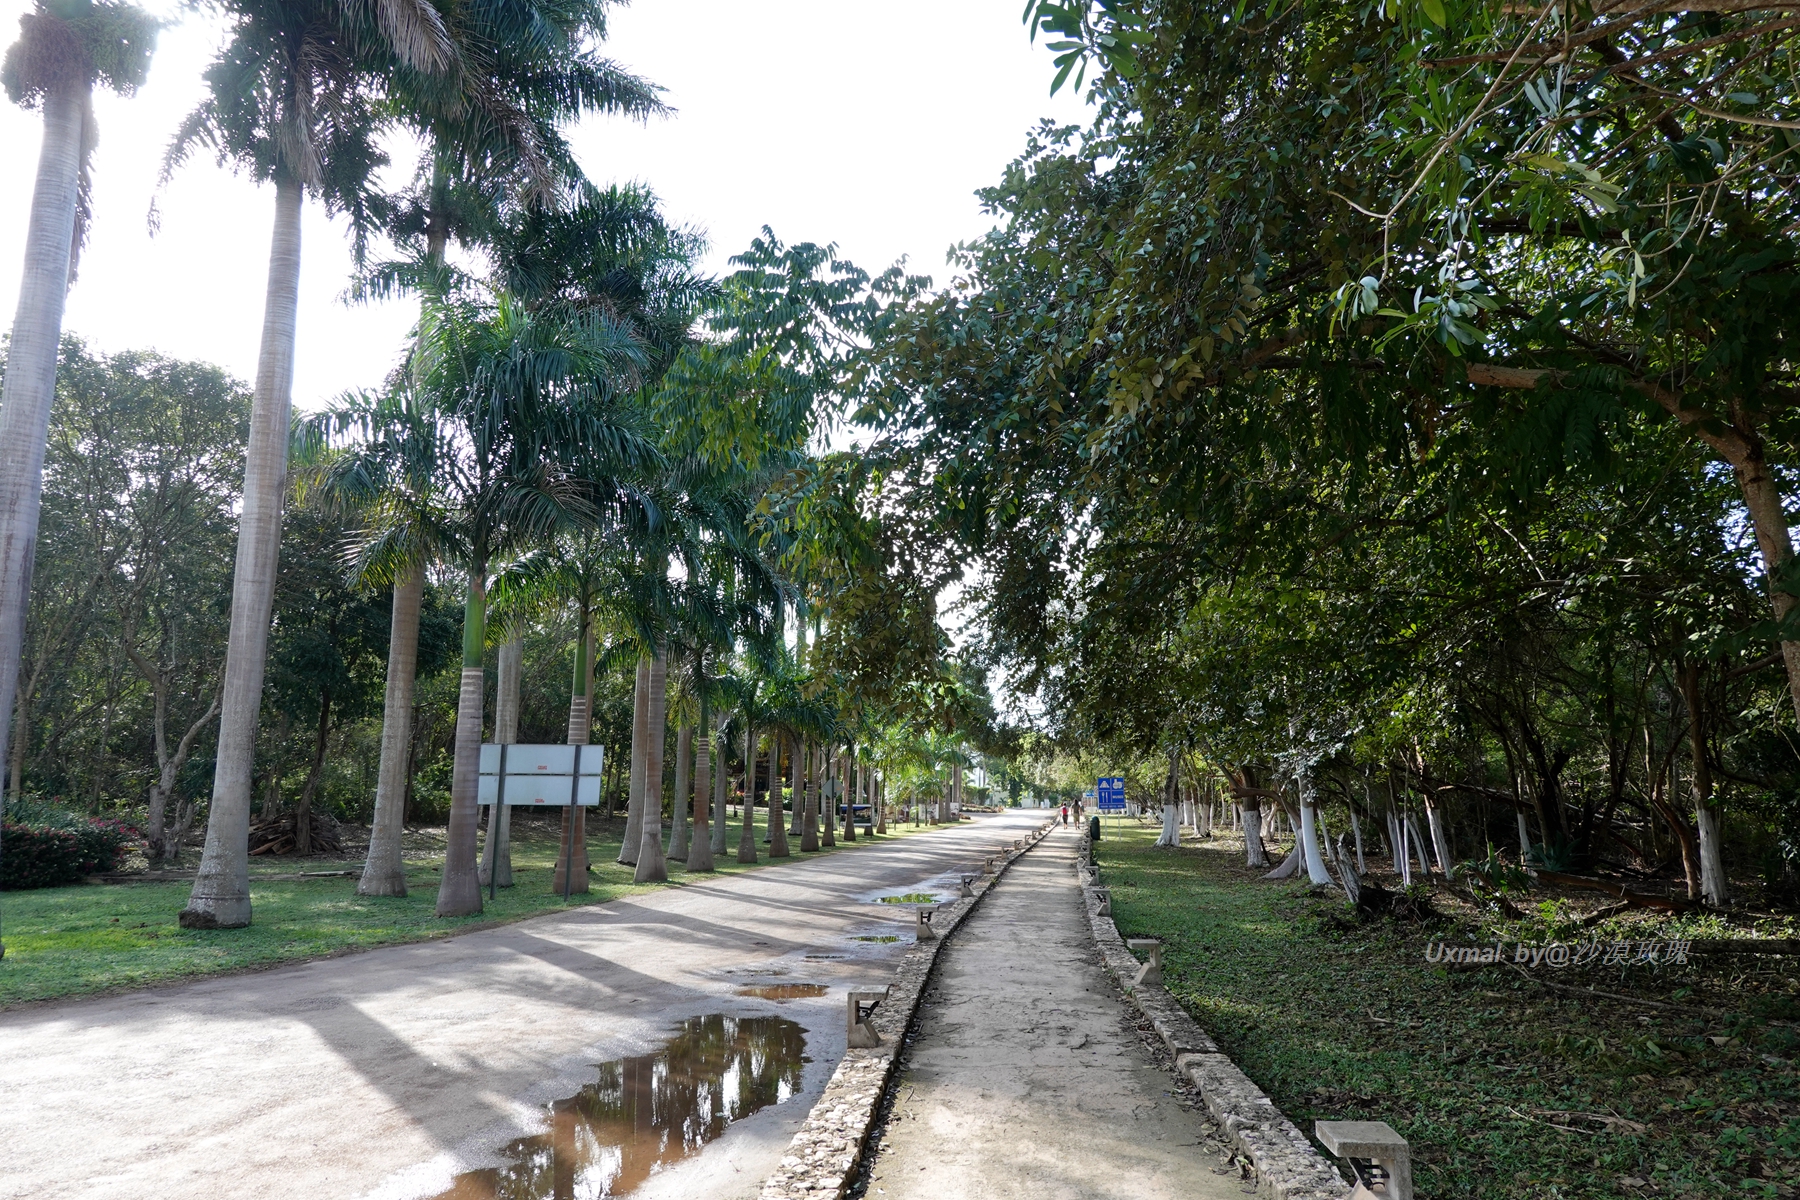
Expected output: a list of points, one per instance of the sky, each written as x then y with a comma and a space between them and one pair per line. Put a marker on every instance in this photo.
868, 125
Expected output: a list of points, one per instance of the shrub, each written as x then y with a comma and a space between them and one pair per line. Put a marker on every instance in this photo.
35, 856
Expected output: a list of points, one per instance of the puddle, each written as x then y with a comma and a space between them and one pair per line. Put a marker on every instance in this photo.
883, 938
783, 991
648, 1112
910, 898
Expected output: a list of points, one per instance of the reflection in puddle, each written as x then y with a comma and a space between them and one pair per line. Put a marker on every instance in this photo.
783, 991
648, 1112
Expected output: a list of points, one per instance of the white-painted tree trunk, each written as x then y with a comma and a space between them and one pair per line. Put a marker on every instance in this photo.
221, 894
1714, 888
1356, 830
1171, 828
1524, 836
1418, 844
31, 376
1440, 840
651, 866
640, 731
1308, 837
384, 874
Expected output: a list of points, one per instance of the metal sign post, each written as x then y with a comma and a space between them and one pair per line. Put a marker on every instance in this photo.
1109, 793
494, 811
527, 775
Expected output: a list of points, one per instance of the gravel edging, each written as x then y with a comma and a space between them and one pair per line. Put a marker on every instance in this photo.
824, 1156
1286, 1163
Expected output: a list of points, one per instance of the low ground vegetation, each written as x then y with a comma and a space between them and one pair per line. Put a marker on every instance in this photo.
1506, 1089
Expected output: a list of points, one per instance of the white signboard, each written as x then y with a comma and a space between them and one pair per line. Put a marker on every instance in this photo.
540, 775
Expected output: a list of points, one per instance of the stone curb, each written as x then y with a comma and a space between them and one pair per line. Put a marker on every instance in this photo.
1287, 1165
823, 1157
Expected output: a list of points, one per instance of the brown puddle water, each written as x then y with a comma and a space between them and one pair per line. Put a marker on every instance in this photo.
783, 991
646, 1113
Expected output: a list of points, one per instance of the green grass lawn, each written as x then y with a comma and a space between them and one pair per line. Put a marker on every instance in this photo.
1476, 1067
71, 941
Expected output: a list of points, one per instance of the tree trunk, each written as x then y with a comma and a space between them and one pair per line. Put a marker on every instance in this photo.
746, 852
826, 805
1254, 854
30, 386
571, 872
1714, 889
1768, 517
806, 776
640, 733
1309, 836
221, 895
700, 850
847, 786
460, 892
651, 866
678, 832
778, 832
303, 807
721, 779
1440, 840
496, 855
384, 874
878, 802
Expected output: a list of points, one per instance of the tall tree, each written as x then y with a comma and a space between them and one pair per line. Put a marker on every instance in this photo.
65, 47
296, 98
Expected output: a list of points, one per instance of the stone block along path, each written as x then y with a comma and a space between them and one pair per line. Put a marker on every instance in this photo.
1027, 1077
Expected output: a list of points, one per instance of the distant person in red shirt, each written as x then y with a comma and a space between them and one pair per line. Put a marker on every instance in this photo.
1065, 814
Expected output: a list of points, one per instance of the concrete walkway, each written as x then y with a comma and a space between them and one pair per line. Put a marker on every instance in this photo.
1028, 1078
383, 1074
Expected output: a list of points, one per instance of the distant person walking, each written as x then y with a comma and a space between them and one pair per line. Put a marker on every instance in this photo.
1065, 814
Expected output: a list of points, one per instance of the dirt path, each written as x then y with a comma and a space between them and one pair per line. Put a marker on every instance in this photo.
386, 1073
1028, 1079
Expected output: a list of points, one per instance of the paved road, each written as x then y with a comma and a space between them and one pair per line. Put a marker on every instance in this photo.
384, 1074
1027, 1080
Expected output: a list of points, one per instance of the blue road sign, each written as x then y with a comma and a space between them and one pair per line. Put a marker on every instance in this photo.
1111, 793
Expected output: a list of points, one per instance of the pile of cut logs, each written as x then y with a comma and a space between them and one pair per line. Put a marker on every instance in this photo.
275, 835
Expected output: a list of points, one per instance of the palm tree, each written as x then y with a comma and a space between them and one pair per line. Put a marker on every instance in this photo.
378, 457
494, 135
64, 48
700, 848
297, 97
545, 445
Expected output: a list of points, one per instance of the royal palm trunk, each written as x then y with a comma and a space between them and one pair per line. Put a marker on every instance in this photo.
31, 375
678, 830
778, 834
651, 866
700, 851
383, 874
746, 852
571, 874
640, 731
221, 895
496, 851
460, 892
807, 776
